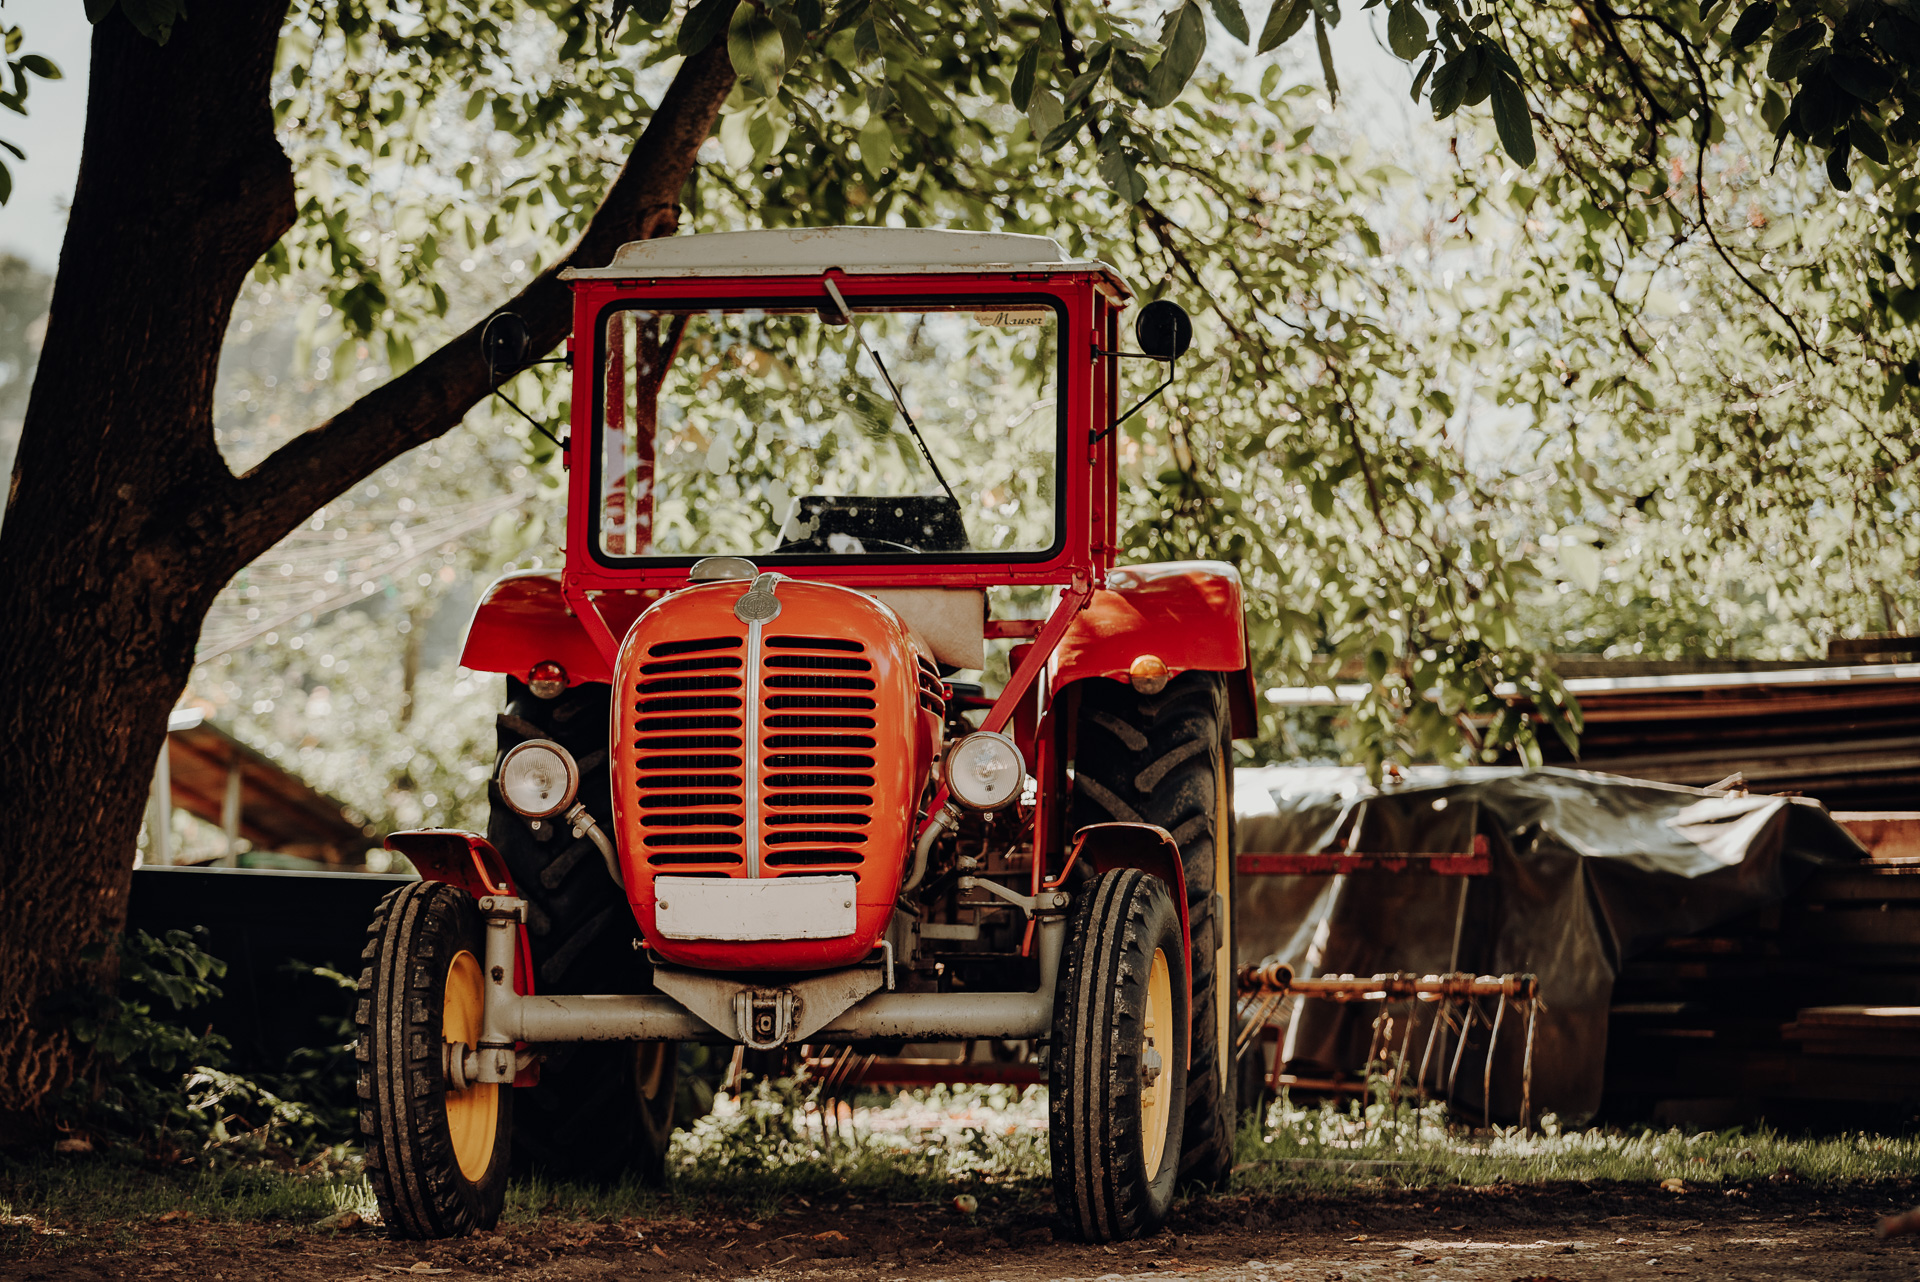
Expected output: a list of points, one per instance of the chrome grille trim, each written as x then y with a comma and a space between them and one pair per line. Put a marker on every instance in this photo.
754, 753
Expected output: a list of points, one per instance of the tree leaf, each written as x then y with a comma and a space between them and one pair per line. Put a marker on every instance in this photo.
1867, 141
876, 146
1510, 118
1899, 36
758, 50
6, 183
39, 66
1285, 18
1184, 37
154, 19
1326, 56
702, 25
1789, 53
1406, 30
1862, 77
1837, 165
1755, 21
1130, 75
1046, 114
1233, 18
1450, 82
1024, 74
1119, 171
1420, 77
98, 9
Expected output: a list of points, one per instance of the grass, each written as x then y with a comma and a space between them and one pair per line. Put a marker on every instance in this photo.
775, 1151
1327, 1147
87, 1197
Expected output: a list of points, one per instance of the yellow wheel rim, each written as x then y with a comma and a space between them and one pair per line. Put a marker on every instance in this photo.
1158, 1050
473, 1115
649, 1069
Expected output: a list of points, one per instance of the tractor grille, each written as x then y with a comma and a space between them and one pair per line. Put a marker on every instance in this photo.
690, 754
818, 743
818, 736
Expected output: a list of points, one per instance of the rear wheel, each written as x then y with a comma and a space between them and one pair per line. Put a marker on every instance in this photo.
1117, 1076
437, 1157
600, 1109
1167, 759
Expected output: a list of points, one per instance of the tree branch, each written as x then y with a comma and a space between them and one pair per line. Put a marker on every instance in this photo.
434, 395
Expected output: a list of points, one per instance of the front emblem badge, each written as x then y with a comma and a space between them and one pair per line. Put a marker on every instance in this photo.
758, 603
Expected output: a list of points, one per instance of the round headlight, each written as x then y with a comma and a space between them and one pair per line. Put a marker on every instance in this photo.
985, 771
538, 778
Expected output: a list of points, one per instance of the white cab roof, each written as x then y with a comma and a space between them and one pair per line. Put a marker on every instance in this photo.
855, 250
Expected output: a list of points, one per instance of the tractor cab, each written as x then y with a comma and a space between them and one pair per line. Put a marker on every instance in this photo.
744, 796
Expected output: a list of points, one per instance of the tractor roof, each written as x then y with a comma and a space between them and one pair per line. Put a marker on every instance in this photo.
855, 250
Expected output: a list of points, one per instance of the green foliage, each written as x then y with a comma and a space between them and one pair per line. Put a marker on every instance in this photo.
14, 84
153, 1084
1443, 434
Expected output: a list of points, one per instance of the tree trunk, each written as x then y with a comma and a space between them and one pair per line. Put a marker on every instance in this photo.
123, 521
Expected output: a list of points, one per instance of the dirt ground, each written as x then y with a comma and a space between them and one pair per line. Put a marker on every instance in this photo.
1510, 1234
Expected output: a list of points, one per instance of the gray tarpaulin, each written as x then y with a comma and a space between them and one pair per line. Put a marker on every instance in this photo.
1588, 870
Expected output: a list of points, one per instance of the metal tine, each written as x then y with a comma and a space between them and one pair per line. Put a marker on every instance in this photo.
1460, 1050
1400, 1062
1526, 1069
1440, 1017
1493, 1042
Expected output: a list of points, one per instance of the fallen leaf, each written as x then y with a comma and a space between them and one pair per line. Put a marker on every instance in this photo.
657, 1251
831, 1235
1361, 1238
1674, 1184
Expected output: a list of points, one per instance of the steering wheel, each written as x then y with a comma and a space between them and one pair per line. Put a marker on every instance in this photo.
819, 543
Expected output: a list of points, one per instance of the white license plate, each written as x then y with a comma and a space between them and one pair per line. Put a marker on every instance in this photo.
754, 907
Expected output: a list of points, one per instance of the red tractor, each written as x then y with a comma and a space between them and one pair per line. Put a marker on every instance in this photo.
740, 799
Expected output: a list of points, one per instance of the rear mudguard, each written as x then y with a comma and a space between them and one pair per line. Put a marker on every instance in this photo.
1191, 615
1104, 847
524, 619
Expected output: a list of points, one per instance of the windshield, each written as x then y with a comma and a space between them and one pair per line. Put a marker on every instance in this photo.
812, 431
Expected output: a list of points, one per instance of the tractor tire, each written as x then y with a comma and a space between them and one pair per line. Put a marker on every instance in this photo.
437, 1158
1116, 1083
1167, 759
600, 1110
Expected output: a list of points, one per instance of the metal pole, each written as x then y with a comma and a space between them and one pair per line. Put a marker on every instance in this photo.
230, 815
160, 811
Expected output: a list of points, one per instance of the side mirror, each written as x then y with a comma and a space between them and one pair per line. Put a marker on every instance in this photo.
506, 343
1163, 330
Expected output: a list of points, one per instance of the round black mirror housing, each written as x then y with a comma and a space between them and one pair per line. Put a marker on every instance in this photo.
1163, 330
507, 343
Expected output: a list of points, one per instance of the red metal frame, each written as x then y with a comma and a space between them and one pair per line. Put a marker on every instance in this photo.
1091, 301
1338, 863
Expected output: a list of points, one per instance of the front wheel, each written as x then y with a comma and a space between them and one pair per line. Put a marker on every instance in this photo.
437, 1157
1117, 1081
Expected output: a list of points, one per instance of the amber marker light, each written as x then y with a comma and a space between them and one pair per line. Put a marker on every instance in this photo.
1149, 674
547, 680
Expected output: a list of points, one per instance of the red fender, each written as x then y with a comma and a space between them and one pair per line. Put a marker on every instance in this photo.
1191, 615
1150, 849
524, 619
469, 861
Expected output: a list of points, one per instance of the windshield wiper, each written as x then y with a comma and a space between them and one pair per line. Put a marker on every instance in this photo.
898, 401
